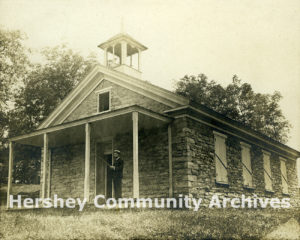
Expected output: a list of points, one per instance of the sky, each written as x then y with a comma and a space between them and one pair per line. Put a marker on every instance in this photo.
259, 40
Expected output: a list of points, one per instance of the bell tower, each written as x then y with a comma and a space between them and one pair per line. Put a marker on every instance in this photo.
123, 53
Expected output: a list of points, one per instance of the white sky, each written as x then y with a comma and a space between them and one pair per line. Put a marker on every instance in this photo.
259, 40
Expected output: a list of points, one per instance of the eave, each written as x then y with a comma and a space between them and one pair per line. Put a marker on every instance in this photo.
228, 126
119, 37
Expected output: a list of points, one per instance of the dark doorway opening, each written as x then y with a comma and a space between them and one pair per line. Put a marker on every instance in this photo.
104, 185
108, 159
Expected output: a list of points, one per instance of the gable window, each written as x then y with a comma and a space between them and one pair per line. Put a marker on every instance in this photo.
267, 171
104, 100
220, 158
246, 162
284, 182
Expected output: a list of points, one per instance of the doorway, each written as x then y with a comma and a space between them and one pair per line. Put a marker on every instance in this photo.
104, 185
108, 159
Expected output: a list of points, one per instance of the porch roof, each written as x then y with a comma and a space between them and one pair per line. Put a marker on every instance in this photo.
104, 124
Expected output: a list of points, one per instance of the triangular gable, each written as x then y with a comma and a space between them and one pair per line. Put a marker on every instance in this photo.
120, 97
92, 81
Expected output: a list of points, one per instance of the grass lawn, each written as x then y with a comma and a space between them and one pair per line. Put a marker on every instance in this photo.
93, 223
141, 224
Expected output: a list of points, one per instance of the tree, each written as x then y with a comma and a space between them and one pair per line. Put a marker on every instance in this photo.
239, 102
45, 86
13, 66
29, 92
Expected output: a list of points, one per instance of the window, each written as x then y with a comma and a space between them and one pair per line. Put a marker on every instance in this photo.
267, 171
220, 158
284, 182
103, 101
246, 162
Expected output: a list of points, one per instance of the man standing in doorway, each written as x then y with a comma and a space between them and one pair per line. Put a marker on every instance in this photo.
117, 174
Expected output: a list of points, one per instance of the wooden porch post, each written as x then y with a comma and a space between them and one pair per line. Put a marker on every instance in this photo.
49, 174
10, 172
87, 161
45, 160
170, 161
135, 133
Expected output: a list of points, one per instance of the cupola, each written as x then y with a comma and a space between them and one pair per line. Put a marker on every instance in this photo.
123, 53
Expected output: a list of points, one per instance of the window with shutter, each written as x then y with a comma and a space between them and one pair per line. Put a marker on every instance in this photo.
246, 164
267, 171
284, 181
220, 158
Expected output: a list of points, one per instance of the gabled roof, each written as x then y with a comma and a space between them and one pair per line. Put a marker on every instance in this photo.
122, 36
99, 71
178, 106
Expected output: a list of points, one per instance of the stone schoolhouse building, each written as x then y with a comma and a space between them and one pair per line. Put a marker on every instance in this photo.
169, 145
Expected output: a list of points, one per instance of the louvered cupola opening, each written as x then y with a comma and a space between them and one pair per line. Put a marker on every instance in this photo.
123, 53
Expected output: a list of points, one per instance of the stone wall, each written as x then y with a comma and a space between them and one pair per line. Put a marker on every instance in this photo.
120, 97
153, 162
181, 157
67, 171
202, 172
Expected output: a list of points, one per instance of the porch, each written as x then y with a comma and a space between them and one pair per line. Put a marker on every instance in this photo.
98, 134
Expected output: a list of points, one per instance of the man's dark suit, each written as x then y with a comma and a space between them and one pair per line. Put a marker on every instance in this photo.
117, 175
